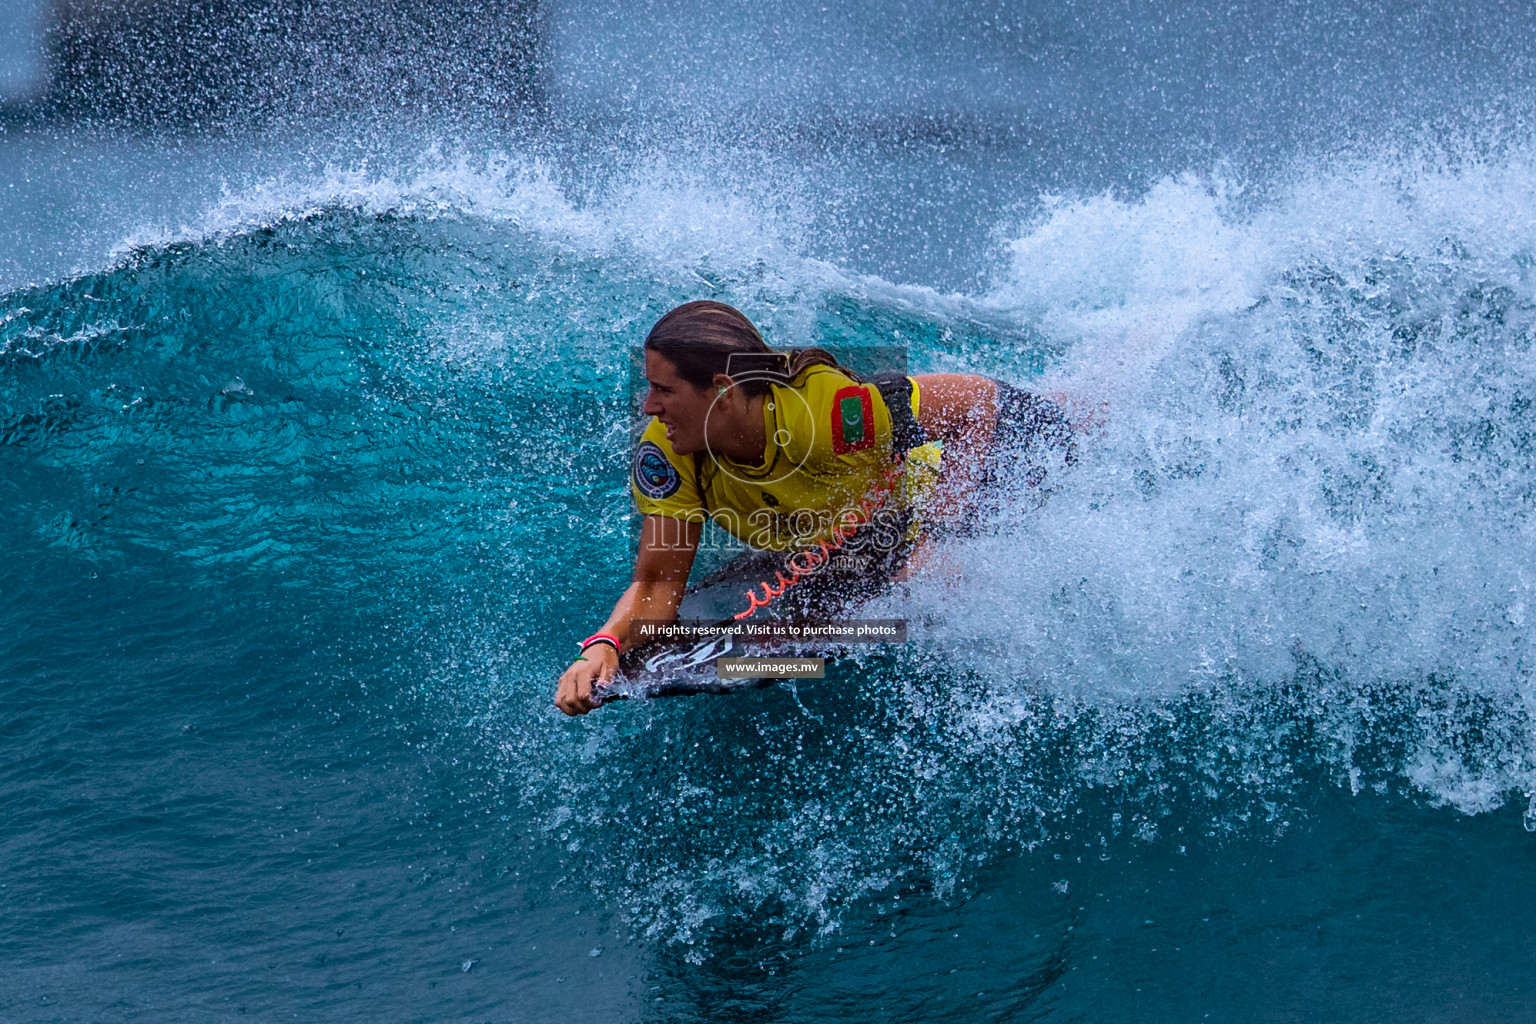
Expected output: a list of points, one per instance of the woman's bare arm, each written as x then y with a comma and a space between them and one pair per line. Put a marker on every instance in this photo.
667, 549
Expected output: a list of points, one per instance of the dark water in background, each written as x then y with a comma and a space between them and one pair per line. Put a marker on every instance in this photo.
312, 429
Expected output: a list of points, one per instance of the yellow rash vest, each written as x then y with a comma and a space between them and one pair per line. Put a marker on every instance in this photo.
827, 462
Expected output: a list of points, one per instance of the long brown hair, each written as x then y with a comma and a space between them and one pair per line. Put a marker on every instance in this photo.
700, 337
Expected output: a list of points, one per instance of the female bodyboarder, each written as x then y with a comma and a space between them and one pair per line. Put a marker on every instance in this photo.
792, 452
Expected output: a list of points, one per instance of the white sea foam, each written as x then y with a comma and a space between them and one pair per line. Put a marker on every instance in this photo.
1318, 446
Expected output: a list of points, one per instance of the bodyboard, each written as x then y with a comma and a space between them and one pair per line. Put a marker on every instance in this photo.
674, 669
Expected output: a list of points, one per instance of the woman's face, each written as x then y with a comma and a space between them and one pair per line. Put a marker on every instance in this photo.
679, 406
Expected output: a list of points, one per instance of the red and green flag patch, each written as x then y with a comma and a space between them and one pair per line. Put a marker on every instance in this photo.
853, 420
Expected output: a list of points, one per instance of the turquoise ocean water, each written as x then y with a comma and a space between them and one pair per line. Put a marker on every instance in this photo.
313, 467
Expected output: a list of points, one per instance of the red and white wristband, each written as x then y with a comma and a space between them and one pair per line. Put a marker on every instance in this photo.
601, 638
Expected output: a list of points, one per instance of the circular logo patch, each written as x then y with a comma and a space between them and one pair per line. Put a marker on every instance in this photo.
654, 473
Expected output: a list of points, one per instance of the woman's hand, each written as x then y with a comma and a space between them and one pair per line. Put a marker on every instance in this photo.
667, 547
597, 664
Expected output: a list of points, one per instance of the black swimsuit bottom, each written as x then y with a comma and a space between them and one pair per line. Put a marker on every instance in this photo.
1032, 437
1031, 426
